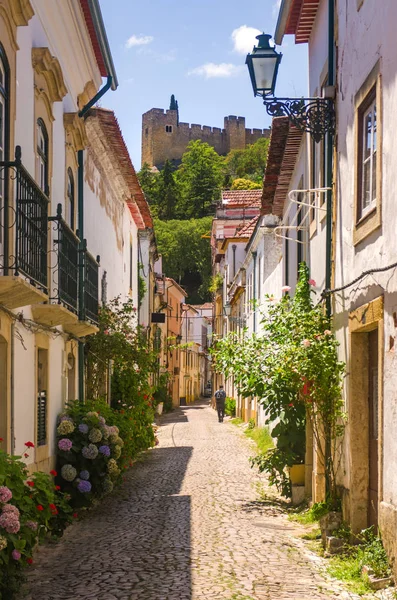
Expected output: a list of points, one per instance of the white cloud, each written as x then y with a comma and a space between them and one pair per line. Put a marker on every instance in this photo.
210, 70
244, 39
136, 40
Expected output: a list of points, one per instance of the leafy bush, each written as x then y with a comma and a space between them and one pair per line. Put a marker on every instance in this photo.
372, 553
95, 444
251, 424
230, 407
31, 507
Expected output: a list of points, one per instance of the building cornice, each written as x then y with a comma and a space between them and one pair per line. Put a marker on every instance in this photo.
75, 131
47, 65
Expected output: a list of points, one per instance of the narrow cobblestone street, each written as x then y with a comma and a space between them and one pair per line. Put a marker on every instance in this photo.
186, 525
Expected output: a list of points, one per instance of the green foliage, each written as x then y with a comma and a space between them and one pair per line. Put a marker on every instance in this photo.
186, 254
245, 184
216, 282
249, 163
370, 553
142, 287
293, 368
173, 104
30, 508
262, 438
230, 407
168, 193
251, 424
314, 513
200, 177
148, 178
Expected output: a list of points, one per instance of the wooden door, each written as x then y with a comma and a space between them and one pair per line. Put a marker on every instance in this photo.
373, 400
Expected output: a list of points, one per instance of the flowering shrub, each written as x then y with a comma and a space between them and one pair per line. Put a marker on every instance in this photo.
293, 368
89, 458
30, 508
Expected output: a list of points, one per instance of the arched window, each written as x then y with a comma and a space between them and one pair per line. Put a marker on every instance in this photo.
70, 206
42, 156
4, 125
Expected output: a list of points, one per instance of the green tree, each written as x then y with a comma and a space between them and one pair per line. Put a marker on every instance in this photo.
200, 176
167, 193
249, 163
186, 254
149, 181
245, 184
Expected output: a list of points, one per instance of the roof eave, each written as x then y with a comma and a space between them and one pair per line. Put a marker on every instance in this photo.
100, 32
282, 21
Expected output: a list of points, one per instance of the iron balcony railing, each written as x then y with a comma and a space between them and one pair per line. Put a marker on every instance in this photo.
66, 272
91, 286
28, 217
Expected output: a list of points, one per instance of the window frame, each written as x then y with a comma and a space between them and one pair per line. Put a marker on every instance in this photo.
43, 156
5, 101
366, 224
369, 106
71, 200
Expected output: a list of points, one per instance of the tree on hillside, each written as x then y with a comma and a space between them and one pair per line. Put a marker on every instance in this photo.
149, 180
167, 193
249, 163
200, 176
245, 184
186, 254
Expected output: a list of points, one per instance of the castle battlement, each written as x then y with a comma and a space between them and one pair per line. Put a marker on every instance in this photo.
165, 138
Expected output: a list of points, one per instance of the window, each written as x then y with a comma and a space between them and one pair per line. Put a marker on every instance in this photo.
42, 156
168, 128
70, 200
367, 156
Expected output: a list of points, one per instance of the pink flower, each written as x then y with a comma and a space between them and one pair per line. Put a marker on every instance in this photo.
16, 555
286, 288
5, 494
9, 521
327, 332
312, 282
306, 343
10, 508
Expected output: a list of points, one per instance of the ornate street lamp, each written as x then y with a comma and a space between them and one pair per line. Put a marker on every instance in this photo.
315, 115
227, 309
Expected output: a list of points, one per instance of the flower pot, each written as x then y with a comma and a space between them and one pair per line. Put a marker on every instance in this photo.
159, 408
297, 474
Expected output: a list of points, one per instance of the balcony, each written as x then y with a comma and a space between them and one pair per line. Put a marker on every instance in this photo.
62, 308
24, 243
88, 314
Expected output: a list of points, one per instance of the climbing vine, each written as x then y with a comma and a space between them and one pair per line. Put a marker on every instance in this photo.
292, 367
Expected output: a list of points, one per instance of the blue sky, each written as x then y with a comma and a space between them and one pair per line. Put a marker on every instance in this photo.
196, 50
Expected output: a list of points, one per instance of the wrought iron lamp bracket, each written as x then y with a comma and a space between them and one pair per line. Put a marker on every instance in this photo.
313, 115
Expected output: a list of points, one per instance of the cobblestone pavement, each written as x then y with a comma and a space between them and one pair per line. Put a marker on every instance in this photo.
186, 525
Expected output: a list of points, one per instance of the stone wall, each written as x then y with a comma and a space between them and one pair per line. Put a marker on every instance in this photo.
164, 138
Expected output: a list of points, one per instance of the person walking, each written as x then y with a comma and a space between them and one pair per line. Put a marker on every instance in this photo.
220, 398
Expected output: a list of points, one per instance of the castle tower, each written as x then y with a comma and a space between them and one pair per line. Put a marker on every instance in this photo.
164, 137
234, 133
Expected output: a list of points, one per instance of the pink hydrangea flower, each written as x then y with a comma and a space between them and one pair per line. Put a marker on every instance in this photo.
306, 343
10, 508
5, 494
327, 332
312, 282
10, 522
16, 555
286, 288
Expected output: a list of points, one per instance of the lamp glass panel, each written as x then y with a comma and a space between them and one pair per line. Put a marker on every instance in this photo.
264, 68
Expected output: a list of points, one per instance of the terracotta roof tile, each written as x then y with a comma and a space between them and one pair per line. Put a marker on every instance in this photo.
137, 203
284, 146
94, 40
248, 229
241, 197
301, 19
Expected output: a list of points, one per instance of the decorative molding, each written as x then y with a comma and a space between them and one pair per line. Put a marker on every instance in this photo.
75, 130
42, 94
87, 94
22, 11
48, 66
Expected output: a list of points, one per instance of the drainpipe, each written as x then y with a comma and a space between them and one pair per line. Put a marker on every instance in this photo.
329, 182
234, 260
12, 391
254, 288
80, 210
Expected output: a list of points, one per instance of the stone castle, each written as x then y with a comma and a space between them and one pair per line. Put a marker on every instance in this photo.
164, 137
